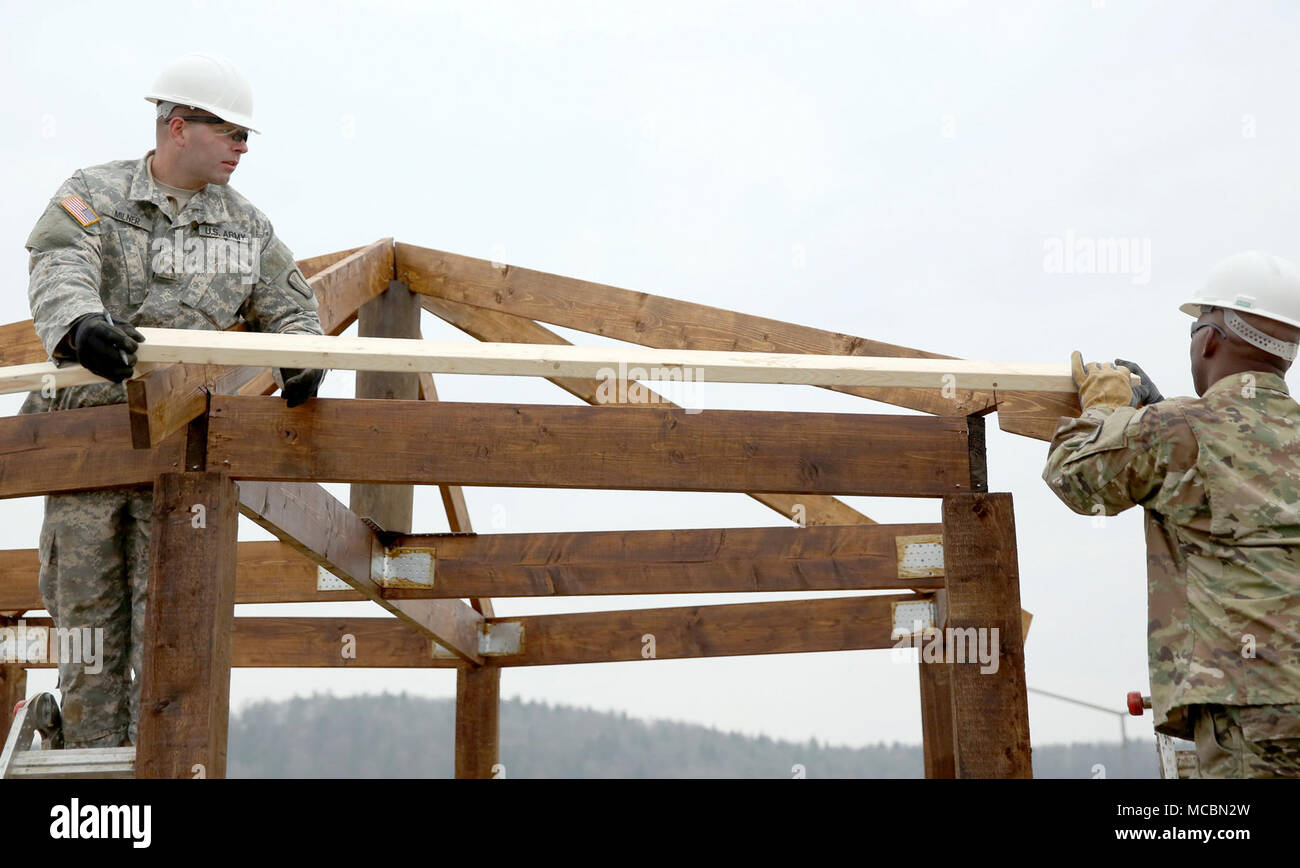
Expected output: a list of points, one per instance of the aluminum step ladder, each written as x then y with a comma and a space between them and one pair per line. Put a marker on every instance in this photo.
40, 715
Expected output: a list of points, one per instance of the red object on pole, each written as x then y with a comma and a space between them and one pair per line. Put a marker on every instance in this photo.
1135, 703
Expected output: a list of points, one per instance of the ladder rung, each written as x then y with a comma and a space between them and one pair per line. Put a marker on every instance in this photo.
104, 762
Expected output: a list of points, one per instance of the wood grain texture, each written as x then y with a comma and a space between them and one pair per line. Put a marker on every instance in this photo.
851, 557
267, 572
185, 686
311, 520
313, 265
395, 313
836, 624
990, 711
655, 321
322, 643
590, 447
490, 325
478, 726
78, 450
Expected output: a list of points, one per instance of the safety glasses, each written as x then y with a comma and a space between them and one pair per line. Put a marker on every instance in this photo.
239, 134
1215, 326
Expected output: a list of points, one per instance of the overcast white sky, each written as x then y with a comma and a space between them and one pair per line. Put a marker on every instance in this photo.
890, 170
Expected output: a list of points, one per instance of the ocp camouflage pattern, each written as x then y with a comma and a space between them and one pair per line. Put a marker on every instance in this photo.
1219, 478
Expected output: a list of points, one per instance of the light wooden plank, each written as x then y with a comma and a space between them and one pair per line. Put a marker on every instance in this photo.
610, 364
650, 320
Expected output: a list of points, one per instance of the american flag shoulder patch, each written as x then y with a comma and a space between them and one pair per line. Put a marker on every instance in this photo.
80, 211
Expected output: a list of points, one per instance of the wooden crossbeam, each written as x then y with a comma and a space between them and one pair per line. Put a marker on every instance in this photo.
311, 520
320, 643
787, 627
168, 397
850, 557
796, 626
332, 440
77, 450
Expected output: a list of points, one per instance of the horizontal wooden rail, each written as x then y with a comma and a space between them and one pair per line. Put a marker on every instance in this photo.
531, 446
611, 364
596, 563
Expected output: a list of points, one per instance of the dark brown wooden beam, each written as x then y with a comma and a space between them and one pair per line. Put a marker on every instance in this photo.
937, 738
798, 626
311, 520
590, 447
990, 709
322, 643
852, 557
185, 684
13, 689
78, 450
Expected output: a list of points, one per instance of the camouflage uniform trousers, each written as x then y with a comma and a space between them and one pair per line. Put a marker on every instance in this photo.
1247, 741
94, 574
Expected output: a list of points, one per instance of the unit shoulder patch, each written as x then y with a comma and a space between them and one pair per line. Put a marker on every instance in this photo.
80, 211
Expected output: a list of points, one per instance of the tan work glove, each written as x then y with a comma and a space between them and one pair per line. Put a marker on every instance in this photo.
1100, 384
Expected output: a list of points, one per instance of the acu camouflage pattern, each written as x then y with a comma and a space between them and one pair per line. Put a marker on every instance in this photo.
110, 266
95, 545
94, 574
1219, 478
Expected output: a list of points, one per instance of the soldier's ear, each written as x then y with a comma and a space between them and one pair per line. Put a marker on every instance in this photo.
1211, 345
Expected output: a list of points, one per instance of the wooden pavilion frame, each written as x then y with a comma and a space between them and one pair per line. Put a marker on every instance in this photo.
213, 445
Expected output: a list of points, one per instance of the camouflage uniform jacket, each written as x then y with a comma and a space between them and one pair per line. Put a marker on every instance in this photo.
1219, 478
217, 262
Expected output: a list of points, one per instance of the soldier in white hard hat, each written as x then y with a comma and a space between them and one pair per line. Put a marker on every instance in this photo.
161, 241
1219, 479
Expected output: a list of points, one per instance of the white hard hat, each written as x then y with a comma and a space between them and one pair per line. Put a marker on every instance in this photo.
1252, 282
208, 82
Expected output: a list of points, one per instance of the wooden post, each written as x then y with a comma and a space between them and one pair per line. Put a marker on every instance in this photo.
13, 689
936, 711
478, 706
990, 707
394, 314
185, 687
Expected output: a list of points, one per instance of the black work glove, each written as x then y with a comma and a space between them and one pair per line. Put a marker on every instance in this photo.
299, 384
1143, 394
105, 346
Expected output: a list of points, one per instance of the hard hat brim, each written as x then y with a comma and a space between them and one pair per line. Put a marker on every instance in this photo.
227, 116
1193, 309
